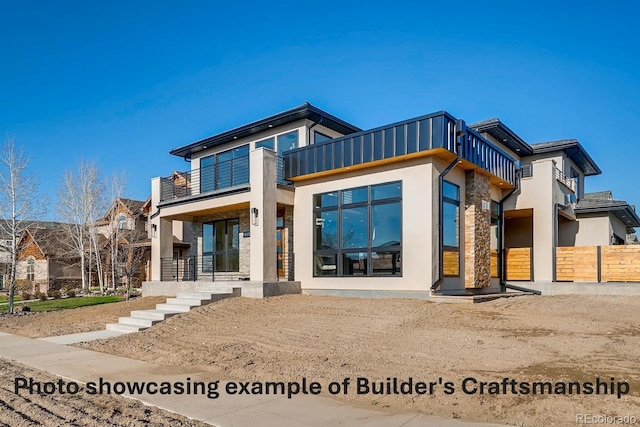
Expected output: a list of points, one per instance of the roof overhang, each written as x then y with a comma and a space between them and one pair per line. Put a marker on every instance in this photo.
573, 150
620, 209
304, 111
504, 135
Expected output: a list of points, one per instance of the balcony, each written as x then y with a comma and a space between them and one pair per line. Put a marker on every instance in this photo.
434, 131
570, 183
218, 179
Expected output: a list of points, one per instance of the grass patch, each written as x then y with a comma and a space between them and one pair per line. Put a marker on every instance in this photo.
67, 303
5, 298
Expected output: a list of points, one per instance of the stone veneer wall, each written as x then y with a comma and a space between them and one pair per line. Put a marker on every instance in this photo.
477, 231
245, 242
288, 223
40, 277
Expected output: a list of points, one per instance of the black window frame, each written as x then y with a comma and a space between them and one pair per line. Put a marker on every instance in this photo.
456, 203
339, 253
213, 254
210, 175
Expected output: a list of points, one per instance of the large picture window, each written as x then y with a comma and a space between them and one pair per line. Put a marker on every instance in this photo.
358, 231
220, 246
451, 228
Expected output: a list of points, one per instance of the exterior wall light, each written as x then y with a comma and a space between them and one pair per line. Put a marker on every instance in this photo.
254, 216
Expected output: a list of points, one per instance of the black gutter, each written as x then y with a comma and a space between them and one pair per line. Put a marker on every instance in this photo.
460, 133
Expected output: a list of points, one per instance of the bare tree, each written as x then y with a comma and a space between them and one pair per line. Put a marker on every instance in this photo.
80, 199
117, 184
130, 255
19, 203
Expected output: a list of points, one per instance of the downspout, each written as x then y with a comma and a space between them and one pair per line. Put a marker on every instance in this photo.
460, 133
315, 123
502, 278
556, 224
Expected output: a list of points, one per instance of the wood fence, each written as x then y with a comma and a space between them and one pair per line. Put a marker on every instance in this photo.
519, 263
451, 263
598, 263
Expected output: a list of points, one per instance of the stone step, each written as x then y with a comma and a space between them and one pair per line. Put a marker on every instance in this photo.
204, 294
136, 321
182, 308
191, 302
122, 327
185, 301
153, 314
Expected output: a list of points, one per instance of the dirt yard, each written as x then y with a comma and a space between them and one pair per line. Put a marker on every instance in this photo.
74, 410
83, 319
528, 339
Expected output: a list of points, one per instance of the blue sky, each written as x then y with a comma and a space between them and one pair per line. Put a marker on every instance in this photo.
123, 82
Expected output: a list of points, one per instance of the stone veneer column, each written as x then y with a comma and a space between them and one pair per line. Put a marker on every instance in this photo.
477, 231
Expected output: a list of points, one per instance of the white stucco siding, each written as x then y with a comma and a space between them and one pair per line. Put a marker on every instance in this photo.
417, 227
593, 230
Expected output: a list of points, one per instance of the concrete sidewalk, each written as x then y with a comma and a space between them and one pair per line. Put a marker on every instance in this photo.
239, 410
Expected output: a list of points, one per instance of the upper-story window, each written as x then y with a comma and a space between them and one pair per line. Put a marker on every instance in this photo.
320, 137
285, 142
31, 272
225, 169
269, 143
575, 175
122, 221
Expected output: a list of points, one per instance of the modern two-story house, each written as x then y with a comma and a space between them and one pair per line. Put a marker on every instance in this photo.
428, 204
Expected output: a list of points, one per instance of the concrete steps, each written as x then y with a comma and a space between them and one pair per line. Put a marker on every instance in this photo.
183, 303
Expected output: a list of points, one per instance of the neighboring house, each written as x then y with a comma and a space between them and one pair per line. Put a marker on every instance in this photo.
46, 259
5, 257
425, 204
123, 233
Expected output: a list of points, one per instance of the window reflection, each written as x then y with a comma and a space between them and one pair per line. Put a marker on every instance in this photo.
358, 231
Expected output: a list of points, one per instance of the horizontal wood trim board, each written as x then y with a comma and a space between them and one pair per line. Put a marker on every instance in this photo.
518, 263
579, 263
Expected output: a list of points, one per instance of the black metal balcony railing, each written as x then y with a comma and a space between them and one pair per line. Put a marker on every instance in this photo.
280, 172
484, 154
407, 137
187, 269
219, 176
190, 269
568, 182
